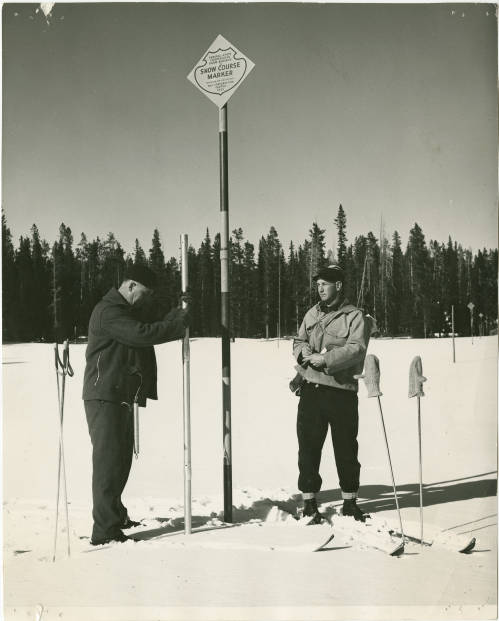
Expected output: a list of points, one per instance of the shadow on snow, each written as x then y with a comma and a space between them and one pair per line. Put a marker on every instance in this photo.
380, 498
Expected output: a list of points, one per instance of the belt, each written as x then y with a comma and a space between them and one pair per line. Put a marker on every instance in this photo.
315, 385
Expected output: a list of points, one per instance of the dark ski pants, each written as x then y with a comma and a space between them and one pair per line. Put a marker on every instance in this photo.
321, 407
110, 426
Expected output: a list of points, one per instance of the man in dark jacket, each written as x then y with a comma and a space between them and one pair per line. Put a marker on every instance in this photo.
120, 368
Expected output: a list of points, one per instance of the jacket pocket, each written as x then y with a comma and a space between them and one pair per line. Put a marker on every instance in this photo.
337, 332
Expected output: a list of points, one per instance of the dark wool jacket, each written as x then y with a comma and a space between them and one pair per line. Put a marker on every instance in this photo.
120, 355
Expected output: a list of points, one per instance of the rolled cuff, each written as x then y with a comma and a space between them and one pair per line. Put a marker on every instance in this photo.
308, 495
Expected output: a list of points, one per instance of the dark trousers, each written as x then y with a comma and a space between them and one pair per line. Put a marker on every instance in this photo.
319, 408
110, 426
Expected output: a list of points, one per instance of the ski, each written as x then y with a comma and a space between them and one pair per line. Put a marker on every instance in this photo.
325, 543
351, 532
367, 534
433, 536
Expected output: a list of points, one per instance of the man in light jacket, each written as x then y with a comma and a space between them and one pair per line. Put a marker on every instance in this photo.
330, 350
120, 368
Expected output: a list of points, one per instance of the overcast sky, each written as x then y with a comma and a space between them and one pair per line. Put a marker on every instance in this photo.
390, 110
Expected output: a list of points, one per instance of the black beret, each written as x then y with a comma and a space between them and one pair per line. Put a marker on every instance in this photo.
142, 274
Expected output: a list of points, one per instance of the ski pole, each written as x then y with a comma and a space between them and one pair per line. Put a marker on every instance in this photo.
62, 368
371, 377
186, 356
66, 370
57, 360
416, 379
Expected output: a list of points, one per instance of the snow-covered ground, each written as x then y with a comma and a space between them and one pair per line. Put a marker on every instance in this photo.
255, 569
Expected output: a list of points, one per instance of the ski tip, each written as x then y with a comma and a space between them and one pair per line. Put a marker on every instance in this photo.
398, 551
469, 547
323, 545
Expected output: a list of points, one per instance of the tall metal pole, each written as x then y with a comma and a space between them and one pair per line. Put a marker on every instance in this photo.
453, 341
186, 362
420, 471
279, 302
225, 311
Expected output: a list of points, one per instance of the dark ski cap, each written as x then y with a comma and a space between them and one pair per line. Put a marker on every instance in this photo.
142, 274
331, 273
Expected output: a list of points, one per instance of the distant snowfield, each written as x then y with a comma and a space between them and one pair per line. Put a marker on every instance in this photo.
254, 569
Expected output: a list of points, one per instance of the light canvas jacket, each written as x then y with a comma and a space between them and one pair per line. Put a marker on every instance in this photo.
342, 336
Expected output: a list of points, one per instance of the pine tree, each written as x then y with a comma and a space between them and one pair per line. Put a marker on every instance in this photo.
85, 308
10, 279
292, 289
263, 290
385, 268
195, 287
164, 297
40, 286
56, 289
205, 261
484, 289
446, 269
306, 295
156, 256
397, 285
439, 315
69, 282
216, 317
112, 261
360, 269
417, 256
173, 283
341, 247
139, 254
373, 298
95, 289
237, 282
317, 256
268, 282
250, 299
282, 294
24, 269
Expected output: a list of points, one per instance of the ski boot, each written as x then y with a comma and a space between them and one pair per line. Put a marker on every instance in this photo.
129, 523
311, 510
118, 537
350, 508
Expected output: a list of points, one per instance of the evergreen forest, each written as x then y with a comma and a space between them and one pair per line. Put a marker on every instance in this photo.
49, 291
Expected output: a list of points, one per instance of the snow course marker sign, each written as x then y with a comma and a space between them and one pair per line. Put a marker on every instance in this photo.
220, 71
218, 74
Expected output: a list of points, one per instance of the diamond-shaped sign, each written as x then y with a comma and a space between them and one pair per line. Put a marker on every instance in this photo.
221, 71
471, 306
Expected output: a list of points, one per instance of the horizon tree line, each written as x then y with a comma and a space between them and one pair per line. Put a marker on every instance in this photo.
49, 291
